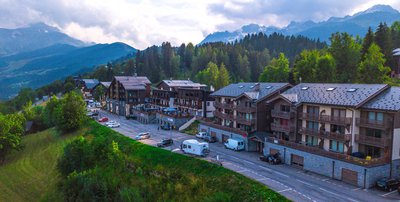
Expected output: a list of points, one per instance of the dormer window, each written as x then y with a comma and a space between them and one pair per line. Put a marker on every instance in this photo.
305, 88
330, 89
352, 90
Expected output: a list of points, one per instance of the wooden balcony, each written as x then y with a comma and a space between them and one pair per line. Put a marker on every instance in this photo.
244, 121
223, 105
334, 155
223, 115
282, 114
307, 116
373, 141
245, 109
282, 128
326, 135
335, 120
363, 122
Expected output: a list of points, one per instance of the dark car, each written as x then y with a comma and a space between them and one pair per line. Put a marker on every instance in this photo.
165, 142
387, 184
166, 127
272, 158
210, 139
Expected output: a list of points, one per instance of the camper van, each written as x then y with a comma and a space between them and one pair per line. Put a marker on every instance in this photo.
234, 144
195, 147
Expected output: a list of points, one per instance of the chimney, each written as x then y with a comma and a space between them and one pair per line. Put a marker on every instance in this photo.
257, 87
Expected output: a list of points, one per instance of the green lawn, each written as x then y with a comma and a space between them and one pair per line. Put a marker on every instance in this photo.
193, 129
30, 174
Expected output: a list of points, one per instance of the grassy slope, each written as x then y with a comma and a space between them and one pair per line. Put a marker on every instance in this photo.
193, 128
30, 174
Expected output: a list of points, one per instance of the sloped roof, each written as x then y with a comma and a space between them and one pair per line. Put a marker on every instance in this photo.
388, 100
90, 83
133, 82
106, 84
249, 89
183, 83
352, 95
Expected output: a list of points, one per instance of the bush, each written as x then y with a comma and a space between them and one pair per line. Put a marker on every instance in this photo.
70, 113
12, 127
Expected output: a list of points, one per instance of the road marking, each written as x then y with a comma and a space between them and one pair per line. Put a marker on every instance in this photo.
329, 191
357, 189
262, 179
389, 193
301, 181
265, 168
284, 190
325, 179
249, 162
241, 171
281, 174
235, 157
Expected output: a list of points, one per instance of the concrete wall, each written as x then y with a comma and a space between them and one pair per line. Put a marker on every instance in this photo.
219, 133
396, 144
175, 122
331, 167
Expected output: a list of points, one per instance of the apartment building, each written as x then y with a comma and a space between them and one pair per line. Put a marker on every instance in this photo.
125, 92
242, 113
87, 87
396, 69
344, 131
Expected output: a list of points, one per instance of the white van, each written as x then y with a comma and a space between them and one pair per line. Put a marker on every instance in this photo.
195, 147
234, 144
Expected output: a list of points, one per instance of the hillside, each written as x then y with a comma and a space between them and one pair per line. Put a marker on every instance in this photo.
30, 174
39, 67
356, 24
13, 41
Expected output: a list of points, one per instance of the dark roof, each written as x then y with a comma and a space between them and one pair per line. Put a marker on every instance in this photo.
353, 95
388, 100
90, 83
183, 83
133, 82
249, 90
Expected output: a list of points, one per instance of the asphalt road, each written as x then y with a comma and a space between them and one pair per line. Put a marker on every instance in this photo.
295, 184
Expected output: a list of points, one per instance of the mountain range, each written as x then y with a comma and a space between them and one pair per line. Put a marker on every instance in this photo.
40, 54
356, 24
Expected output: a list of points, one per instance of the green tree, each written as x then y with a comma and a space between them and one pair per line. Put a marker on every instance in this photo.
99, 91
383, 40
12, 127
326, 69
209, 75
223, 77
368, 40
305, 66
49, 113
372, 69
70, 112
347, 55
276, 71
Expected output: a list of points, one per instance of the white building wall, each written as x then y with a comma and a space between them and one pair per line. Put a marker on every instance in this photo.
396, 144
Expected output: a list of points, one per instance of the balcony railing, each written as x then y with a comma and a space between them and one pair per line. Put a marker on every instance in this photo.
282, 114
373, 141
308, 116
243, 120
223, 105
223, 115
282, 128
328, 135
335, 119
385, 124
330, 154
246, 109
226, 128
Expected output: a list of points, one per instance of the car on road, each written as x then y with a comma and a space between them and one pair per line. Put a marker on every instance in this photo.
201, 135
113, 124
195, 147
166, 127
272, 158
103, 119
142, 136
234, 144
387, 184
210, 139
165, 142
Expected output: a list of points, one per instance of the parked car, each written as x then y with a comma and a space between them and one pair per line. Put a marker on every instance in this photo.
387, 184
165, 142
113, 125
142, 136
201, 135
195, 147
210, 139
166, 127
234, 144
272, 158
103, 119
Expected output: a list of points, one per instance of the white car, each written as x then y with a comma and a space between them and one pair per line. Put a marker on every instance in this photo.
113, 125
201, 135
142, 136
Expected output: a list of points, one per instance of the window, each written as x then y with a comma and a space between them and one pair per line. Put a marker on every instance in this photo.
313, 110
284, 122
189, 146
304, 88
311, 140
208, 103
339, 113
285, 108
337, 129
352, 90
330, 89
372, 151
375, 116
312, 125
374, 133
336, 146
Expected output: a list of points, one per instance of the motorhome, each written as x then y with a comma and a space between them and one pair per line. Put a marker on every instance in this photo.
195, 147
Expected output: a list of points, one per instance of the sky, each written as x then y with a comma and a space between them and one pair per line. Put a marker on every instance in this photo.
143, 23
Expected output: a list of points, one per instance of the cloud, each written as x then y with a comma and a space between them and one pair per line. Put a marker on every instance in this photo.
142, 23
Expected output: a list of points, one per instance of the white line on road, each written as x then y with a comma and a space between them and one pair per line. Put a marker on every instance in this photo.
325, 179
249, 162
284, 190
281, 174
350, 199
301, 181
357, 189
241, 171
389, 193
265, 168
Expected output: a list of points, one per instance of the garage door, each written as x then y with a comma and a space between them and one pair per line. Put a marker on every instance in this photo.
350, 176
224, 138
273, 151
213, 134
297, 161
